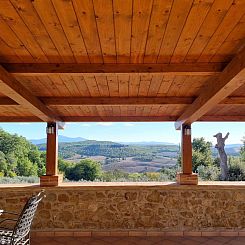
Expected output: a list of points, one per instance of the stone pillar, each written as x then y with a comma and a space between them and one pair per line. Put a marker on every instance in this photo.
186, 177
51, 178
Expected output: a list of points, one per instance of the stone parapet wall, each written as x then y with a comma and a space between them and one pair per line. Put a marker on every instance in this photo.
133, 207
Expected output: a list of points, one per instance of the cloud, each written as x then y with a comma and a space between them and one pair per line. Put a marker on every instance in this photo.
128, 124
70, 123
85, 125
105, 124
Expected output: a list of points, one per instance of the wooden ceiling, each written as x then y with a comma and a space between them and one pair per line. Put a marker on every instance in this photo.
122, 60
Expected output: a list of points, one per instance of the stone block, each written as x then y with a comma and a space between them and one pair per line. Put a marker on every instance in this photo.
51, 180
187, 179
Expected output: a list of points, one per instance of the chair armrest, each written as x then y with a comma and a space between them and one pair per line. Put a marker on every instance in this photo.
7, 212
8, 220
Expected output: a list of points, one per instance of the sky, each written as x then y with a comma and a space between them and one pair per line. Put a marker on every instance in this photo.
131, 132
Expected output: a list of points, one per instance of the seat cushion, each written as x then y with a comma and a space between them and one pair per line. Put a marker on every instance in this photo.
5, 236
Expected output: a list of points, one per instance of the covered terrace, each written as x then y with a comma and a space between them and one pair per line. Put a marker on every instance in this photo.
125, 60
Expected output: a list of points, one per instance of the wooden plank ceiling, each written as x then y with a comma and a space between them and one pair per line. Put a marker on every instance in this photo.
121, 60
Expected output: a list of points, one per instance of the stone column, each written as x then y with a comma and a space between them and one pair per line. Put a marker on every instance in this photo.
51, 178
186, 177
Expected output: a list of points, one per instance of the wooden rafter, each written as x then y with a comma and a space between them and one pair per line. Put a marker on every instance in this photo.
17, 92
216, 90
210, 118
175, 69
117, 101
110, 101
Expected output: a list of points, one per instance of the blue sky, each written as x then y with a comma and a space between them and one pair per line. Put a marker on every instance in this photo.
128, 132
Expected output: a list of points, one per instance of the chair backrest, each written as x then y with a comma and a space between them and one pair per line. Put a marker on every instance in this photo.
23, 225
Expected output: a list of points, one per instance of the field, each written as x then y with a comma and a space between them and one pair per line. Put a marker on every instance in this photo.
133, 166
130, 158
129, 164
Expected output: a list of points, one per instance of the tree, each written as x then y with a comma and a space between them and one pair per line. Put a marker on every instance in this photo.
84, 170
64, 167
242, 151
220, 146
19, 156
201, 155
3, 164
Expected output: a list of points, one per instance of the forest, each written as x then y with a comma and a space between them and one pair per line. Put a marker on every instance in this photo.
18, 157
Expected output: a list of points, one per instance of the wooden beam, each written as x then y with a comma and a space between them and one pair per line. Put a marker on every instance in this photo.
186, 177
209, 118
19, 119
175, 69
52, 149
10, 87
186, 148
110, 101
117, 101
51, 178
119, 119
231, 100
222, 118
216, 90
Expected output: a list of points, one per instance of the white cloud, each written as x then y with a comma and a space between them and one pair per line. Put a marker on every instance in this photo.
70, 123
85, 125
105, 124
128, 124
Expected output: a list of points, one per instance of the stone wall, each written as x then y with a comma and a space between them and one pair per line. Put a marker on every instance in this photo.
160, 208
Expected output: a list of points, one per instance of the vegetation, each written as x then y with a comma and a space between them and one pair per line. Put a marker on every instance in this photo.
120, 176
19, 179
208, 173
21, 161
110, 149
202, 155
18, 157
208, 167
242, 152
84, 170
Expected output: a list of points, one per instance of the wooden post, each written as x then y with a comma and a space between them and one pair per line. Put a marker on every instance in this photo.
51, 178
186, 176
52, 149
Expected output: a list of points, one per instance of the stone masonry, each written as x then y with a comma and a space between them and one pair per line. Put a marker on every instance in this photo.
158, 208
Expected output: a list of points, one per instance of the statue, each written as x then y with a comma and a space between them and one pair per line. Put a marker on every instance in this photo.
220, 146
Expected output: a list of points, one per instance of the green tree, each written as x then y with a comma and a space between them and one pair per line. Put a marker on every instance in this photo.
3, 164
85, 170
64, 167
19, 156
242, 151
202, 154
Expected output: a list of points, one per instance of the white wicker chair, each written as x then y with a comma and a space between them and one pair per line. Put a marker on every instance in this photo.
20, 233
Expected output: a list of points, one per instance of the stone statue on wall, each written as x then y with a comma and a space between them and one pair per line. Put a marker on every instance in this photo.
220, 146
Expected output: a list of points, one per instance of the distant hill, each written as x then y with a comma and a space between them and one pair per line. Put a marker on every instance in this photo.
111, 149
147, 143
234, 146
62, 139
231, 150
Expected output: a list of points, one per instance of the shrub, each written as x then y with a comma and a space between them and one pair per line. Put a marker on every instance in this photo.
210, 173
236, 170
86, 169
19, 179
169, 173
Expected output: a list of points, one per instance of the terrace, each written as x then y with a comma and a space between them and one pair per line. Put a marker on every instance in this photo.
125, 60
